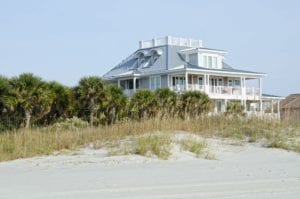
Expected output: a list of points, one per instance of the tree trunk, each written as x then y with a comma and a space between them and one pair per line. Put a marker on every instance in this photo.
91, 118
27, 118
92, 107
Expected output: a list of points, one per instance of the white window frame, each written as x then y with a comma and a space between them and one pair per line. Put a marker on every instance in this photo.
210, 61
154, 80
214, 62
205, 61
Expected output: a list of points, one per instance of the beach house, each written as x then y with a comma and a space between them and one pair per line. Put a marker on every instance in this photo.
183, 64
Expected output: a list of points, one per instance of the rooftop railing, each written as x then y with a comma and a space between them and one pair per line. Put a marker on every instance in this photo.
168, 40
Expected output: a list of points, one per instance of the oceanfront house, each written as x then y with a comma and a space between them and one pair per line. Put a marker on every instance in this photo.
182, 64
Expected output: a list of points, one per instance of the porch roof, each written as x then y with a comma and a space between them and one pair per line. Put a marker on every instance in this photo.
271, 97
225, 68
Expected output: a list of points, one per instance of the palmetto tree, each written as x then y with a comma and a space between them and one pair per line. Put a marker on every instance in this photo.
143, 104
5, 93
90, 95
194, 103
31, 95
61, 103
166, 101
115, 103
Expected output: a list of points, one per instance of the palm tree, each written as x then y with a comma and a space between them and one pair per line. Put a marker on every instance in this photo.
194, 103
166, 101
235, 109
89, 95
5, 92
61, 103
143, 104
115, 103
31, 95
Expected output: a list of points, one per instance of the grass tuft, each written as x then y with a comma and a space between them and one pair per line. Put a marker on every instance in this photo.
195, 146
158, 145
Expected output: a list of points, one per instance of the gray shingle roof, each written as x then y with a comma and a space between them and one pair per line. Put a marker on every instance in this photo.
170, 58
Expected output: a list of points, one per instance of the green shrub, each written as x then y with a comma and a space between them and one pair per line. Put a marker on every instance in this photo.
235, 108
158, 145
195, 146
73, 123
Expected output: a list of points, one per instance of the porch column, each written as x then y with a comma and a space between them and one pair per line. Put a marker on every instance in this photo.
134, 84
119, 83
225, 105
171, 82
278, 109
244, 93
207, 87
272, 109
186, 81
204, 83
242, 90
168, 79
260, 94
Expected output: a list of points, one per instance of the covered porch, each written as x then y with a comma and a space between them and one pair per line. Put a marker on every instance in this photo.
129, 85
217, 86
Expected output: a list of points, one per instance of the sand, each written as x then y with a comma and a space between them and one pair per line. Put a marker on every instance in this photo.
239, 171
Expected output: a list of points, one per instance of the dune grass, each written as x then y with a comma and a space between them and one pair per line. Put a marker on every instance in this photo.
149, 145
24, 143
198, 147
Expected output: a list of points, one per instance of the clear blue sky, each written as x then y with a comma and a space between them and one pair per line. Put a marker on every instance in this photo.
66, 40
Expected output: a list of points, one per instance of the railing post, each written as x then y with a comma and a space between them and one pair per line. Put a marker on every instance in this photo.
134, 84
186, 81
260, 95
141, 44
278, 109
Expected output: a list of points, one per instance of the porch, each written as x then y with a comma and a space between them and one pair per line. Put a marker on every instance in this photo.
217, 87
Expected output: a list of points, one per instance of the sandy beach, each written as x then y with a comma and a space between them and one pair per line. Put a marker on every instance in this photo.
238, 171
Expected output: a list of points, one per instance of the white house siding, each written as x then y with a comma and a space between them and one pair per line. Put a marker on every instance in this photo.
164, 81
144, 83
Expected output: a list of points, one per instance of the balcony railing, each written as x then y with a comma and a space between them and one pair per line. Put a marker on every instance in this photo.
221, 91
214, 91
225, 90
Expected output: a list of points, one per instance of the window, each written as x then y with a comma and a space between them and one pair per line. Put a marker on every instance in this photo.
220, 83
230, 83
137, 83
205, 61
200, 81
155, 82
215, 62
209, 61
153, 58
237, 83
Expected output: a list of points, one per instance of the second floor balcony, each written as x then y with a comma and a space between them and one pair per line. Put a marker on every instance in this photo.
221, 92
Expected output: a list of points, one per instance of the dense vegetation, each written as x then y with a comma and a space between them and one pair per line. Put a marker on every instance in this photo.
39, 117
28, 101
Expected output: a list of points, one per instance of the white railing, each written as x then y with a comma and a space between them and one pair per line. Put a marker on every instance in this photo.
195, 87
176, 41
225, 90
252, 91
219, 91
178, 88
